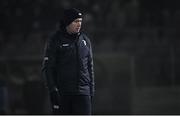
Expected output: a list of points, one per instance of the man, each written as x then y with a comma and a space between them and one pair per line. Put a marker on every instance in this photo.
68, 67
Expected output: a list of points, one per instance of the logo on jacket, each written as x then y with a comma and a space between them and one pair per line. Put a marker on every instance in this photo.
65, 45
46, 58
84, 42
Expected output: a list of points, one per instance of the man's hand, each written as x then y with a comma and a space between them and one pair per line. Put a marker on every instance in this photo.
55, 109
55, 100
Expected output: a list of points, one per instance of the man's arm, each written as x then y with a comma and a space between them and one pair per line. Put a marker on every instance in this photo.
49, 73
91, 70
48, 66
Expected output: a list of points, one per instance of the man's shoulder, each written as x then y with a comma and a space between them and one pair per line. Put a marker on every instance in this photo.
85, 36
54, 36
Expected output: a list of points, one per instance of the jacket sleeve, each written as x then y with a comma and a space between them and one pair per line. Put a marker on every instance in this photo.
48, 65
91, 70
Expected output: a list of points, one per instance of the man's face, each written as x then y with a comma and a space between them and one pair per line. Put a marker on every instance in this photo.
75, 26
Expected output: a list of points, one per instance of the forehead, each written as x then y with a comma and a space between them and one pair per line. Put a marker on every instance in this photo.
78, 19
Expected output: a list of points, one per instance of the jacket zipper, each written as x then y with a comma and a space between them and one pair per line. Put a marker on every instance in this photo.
78, 63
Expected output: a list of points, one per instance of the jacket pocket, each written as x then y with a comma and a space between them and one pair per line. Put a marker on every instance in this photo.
65, 50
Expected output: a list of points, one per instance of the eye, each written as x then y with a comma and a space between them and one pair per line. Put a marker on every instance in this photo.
78, 21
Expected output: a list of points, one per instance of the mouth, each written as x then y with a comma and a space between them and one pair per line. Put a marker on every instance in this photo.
78, 28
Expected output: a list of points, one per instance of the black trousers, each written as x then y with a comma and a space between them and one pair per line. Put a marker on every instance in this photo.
74, 105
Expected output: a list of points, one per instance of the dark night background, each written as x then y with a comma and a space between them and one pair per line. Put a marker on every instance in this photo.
135, 45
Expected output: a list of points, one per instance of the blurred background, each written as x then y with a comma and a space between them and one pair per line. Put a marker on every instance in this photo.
135, 45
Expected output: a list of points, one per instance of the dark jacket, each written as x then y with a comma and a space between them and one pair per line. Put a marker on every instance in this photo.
68, 64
